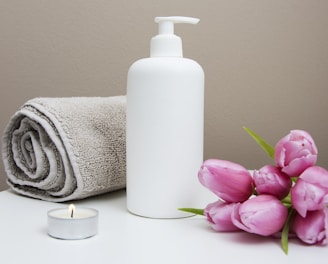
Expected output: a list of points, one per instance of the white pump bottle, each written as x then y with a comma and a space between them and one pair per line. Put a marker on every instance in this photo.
165, 123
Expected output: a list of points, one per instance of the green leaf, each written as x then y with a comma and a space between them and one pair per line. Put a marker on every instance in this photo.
285, 231
193, 210
261, 142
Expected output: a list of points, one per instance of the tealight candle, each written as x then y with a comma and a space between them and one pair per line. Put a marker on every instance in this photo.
72, 223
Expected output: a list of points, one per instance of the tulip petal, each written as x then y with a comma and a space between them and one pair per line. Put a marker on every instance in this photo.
310, 191
295, 152
229, 181
219, 215
271, 180
254, 215
313, 229
298, 165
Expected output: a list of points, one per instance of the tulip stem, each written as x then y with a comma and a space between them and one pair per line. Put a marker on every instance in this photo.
285, 230
287, 200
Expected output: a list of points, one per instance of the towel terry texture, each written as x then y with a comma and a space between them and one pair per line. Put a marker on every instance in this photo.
61, 149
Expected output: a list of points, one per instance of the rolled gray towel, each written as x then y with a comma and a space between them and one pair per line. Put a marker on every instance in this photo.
61, 149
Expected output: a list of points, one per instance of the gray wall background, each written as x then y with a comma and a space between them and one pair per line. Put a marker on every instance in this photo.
266, 61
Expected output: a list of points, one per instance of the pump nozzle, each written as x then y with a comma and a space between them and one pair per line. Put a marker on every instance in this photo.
166, 24
166, 44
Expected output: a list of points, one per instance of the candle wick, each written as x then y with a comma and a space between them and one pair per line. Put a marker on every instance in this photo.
71, 209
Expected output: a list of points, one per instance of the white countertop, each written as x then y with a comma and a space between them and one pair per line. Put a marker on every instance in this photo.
126, 238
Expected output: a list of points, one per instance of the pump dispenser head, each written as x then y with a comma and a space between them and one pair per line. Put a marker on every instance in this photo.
166, 43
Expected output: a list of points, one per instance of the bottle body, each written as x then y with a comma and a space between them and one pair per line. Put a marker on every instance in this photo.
164, 137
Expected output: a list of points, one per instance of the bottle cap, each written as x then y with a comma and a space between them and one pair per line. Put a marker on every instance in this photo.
166, 43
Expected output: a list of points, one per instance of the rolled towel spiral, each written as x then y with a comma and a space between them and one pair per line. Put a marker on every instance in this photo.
61, 149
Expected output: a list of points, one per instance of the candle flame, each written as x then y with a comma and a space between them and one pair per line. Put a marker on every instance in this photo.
71, 209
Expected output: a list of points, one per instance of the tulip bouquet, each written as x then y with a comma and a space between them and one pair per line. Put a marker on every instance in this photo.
289, 198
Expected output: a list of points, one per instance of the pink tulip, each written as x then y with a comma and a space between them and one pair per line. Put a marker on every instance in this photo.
263, 215
219, 215
310, 192
313, 229
271, 180
295, 152
228, 180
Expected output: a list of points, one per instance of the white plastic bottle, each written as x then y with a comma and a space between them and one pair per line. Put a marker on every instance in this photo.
165, 123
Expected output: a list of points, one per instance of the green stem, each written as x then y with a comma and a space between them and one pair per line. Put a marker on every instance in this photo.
287, 200
285, 230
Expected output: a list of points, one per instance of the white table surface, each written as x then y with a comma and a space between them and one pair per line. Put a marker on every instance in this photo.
126, 238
